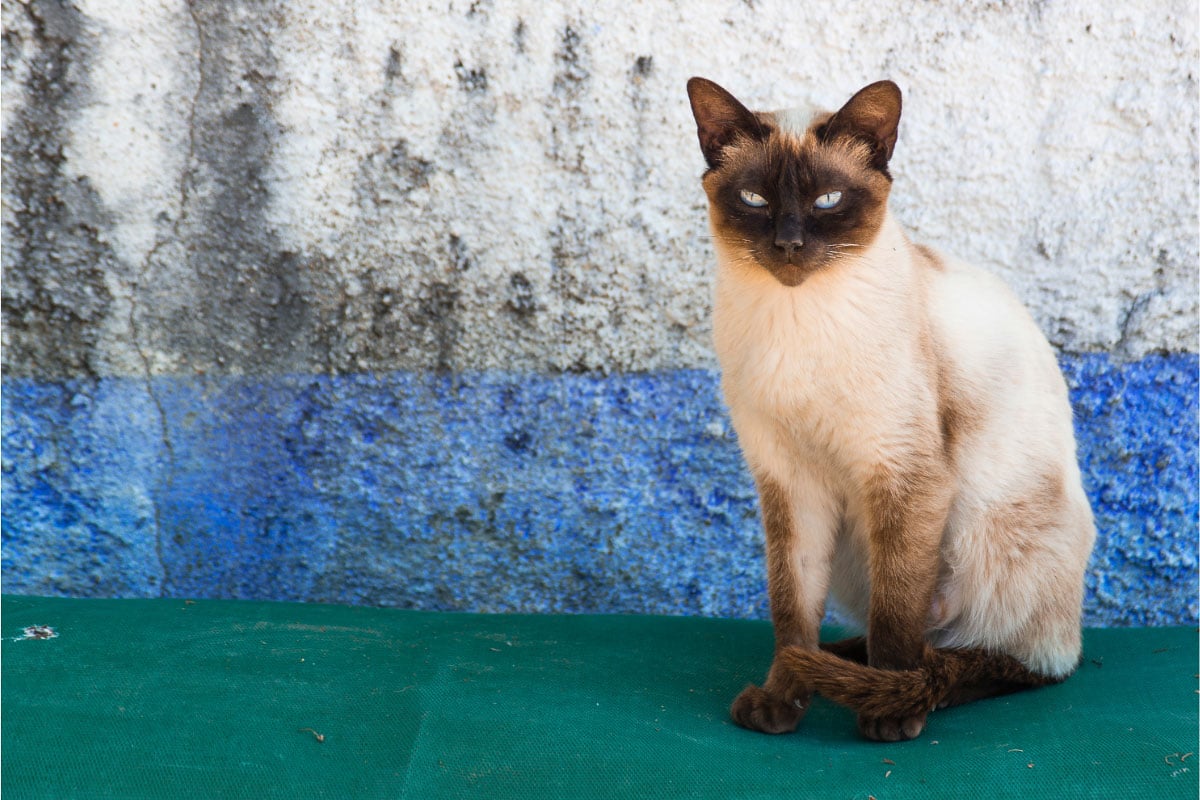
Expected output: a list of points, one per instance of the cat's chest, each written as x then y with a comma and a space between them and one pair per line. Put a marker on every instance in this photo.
785, 352
776, 366
814, 374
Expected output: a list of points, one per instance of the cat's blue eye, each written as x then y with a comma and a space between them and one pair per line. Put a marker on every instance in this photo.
828, 200
753, 200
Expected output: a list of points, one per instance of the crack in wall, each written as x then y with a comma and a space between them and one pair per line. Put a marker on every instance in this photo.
186, 177
1131, 326
166, 477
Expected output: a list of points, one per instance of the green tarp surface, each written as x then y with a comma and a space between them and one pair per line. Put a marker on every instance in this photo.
206, 699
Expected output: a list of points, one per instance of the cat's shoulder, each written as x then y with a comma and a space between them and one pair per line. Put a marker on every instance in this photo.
980, 322
954, 278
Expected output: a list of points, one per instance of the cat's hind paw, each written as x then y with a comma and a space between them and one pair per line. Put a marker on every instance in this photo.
891, 729
757, 709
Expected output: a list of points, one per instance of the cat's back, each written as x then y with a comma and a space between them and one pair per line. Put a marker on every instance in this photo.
1005, 405
1020, 529
991, 347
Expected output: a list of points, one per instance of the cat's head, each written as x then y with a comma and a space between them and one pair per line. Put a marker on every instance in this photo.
795, 192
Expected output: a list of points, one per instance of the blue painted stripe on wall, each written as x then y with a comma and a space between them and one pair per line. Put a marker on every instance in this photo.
494, 492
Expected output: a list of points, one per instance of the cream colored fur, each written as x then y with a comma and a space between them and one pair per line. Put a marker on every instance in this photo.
824, 383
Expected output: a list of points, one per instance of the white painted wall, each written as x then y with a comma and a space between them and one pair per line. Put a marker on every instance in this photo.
1053, 142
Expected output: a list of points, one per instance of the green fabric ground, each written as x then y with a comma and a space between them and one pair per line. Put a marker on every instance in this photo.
164, 699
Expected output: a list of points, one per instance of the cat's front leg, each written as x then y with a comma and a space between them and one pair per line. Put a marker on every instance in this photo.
907, 516
798, 523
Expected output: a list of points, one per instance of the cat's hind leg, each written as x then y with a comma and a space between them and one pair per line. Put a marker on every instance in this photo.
885, 700
852, 649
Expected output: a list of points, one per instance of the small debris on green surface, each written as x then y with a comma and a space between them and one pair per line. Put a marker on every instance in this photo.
320, 737
37, 632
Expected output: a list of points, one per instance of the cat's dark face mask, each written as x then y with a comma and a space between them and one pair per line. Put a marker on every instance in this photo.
794, 199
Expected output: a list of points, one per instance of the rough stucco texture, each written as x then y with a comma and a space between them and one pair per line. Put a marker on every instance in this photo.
408, 303
497, 492
258, 187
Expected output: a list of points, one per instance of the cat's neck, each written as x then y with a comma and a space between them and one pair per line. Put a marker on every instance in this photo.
869, 304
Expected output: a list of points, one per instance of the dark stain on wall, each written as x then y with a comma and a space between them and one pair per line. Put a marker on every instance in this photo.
55, 255
479, 9
572, 71
639, 75
394, 69
218, 291
436, 321
520, 32
404, 171
460, 256
572, 242
521, 299
249, 306
565, 109
471, 79
643, 66
519, 441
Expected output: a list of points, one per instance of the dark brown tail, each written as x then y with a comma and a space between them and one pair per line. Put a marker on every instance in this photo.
946, 677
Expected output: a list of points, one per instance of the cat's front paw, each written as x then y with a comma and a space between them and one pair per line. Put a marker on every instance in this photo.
891, 729
759, 710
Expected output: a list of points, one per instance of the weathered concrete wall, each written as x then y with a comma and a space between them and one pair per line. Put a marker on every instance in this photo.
227, 225
247, 187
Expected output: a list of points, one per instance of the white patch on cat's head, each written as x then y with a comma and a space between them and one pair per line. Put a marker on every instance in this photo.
796, 121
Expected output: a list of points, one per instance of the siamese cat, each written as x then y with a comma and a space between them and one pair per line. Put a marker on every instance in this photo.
906, 424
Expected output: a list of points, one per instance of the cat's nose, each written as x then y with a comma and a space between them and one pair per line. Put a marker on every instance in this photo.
790, 245
789, 235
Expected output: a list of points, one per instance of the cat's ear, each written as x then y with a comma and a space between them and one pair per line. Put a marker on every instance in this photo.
872, 115
720, 118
